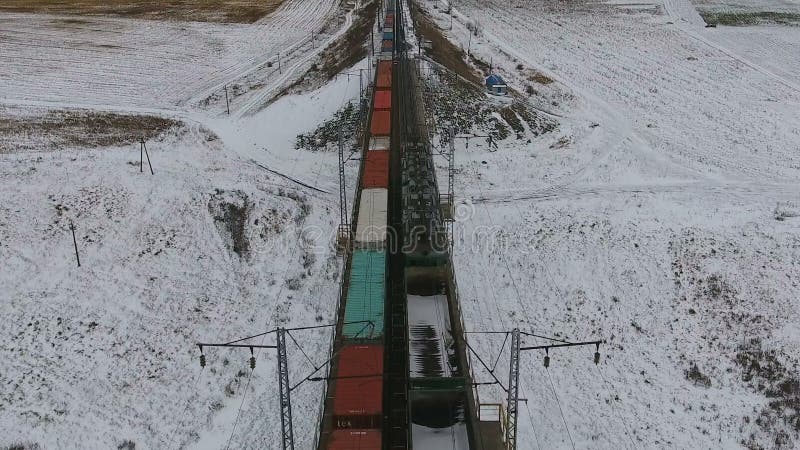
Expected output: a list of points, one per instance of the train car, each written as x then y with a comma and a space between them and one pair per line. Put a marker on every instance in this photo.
365, 296
376, 170
381, 123
387, 46
372, 219
358, 400
384, 79
355, 439
383, 100
424, 235
379, 143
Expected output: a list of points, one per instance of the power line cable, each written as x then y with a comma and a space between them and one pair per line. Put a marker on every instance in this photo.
561, 411
238, 413
611, 390
183, 414
530, 419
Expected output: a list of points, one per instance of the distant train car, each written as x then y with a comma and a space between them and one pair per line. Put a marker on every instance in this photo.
384, 79
383, 100
376, 170
381, 123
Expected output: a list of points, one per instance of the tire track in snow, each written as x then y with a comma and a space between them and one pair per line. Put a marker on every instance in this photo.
774, 191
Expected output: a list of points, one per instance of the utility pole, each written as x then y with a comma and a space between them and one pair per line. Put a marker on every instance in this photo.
285, 392
360, 84
227, 102
513, 392
75, 243
513, 377
344, 227
143, 149
287, 439
279, 63
287, 431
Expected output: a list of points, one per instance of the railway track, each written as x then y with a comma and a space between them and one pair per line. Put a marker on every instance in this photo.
400, 282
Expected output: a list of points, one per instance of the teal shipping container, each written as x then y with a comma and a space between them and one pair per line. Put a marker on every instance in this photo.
365, 295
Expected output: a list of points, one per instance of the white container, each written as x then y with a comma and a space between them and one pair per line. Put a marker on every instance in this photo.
373, 218
379, 143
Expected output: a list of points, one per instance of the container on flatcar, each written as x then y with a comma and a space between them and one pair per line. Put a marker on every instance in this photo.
376, 170
383, 99
355, 439
388, 36
358, 391
381, 123
379, 143
387, 45
384, 80
389, 20
365, 296
372, 218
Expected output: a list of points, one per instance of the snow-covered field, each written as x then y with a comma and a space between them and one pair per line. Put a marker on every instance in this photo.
232, 235
663, 216
102, 61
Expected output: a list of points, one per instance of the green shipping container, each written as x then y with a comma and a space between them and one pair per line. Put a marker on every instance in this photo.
365, 295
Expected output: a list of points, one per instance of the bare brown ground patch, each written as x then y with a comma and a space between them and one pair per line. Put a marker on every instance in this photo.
344, 52
441, 49
351, 47
223, 11
54, 130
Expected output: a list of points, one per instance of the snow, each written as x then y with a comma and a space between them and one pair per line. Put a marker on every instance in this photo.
676, 147
429, 325
453, 437
106, 352
105, 60
661, 216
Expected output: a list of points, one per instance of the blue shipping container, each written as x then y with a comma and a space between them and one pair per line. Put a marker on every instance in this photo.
365, 295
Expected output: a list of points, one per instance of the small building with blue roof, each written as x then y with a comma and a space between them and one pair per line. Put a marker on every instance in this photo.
496, 85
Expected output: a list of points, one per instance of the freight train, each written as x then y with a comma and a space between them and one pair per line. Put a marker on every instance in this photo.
354, 399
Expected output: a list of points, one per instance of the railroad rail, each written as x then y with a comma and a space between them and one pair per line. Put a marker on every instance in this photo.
405, 382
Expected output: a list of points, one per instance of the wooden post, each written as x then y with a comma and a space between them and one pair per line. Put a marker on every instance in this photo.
279, 62
75, 243
144, 146
227, 102
141, 155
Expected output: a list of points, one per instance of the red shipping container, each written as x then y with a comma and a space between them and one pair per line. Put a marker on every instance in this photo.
384, 75
355, 440
390, 18
381, 123
383, 99
358, 393
386, 44
376, 170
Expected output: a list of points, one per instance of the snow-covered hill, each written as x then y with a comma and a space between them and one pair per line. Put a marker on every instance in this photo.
661, 216
231, 236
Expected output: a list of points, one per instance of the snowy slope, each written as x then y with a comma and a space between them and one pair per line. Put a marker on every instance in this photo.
649, 219
102, 60
104, 354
